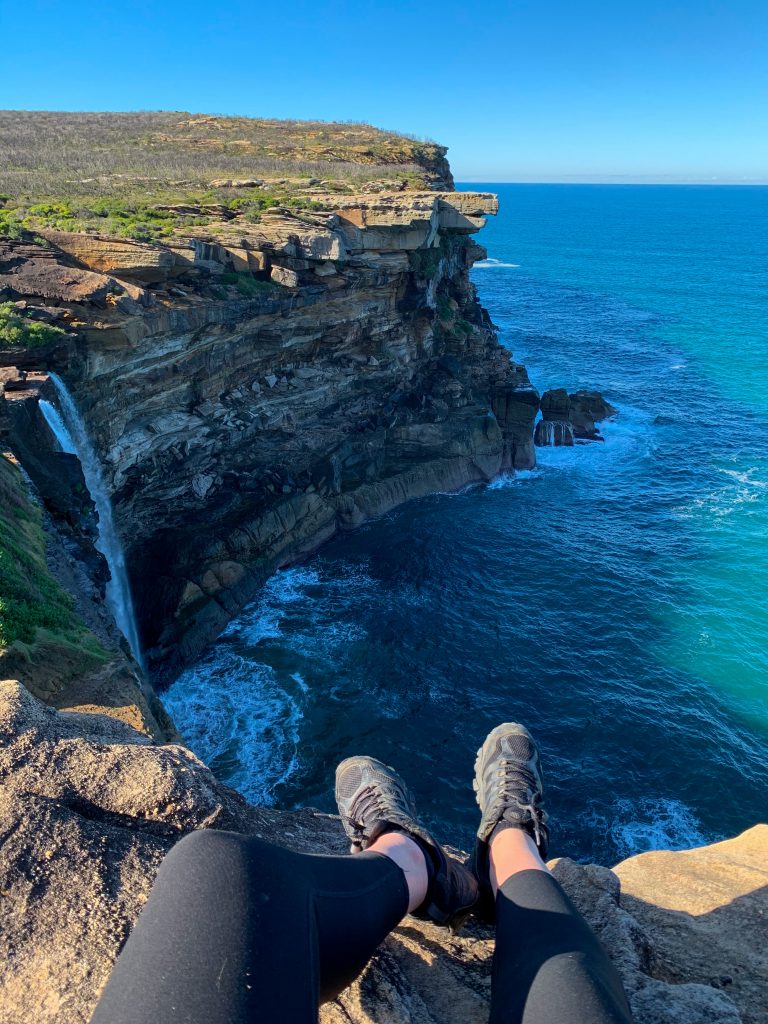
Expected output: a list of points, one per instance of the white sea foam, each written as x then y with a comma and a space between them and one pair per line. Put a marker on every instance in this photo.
237, 718
261, 620
324, 639
626, 435
655, 824
650, 823
517, 476
741, 488
745, 478
240, 714
492, 264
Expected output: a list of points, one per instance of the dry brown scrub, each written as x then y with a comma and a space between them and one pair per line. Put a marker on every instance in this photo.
45, 154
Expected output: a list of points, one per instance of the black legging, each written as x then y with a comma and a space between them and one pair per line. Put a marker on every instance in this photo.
238, 931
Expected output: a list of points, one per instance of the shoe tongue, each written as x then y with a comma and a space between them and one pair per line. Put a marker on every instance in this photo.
519, 746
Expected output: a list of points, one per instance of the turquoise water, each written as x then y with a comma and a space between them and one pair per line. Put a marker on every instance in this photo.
614, 599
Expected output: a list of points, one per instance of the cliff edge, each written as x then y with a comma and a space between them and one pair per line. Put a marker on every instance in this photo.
89, 806
258, 362
270, 334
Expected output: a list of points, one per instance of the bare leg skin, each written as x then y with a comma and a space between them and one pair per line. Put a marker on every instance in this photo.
513, 850
409, 857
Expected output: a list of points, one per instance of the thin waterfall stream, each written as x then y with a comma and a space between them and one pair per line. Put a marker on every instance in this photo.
71, 433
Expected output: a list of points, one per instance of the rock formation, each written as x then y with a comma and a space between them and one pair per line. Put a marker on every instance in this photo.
89, 806
569, 418
271, 371
273, 382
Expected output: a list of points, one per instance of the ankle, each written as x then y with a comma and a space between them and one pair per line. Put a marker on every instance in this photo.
412, 861
512, 850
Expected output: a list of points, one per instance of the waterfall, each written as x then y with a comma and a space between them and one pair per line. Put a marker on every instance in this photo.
71, 434
57, 425
553, 433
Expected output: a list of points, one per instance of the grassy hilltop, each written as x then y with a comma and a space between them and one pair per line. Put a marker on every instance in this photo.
142, 175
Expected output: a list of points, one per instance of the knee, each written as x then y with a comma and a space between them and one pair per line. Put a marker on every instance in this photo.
205, 846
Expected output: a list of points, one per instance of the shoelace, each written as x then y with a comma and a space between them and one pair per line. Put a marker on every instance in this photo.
512, 777
370, 804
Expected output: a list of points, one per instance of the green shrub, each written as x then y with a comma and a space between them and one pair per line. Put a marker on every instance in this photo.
425, 262
17, 329
52, 215
30, 598
10, 224
248, 286
444, 309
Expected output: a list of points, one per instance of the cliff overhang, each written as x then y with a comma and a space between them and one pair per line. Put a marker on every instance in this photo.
254, 388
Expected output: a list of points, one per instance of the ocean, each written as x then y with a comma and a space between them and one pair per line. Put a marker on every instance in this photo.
613, 599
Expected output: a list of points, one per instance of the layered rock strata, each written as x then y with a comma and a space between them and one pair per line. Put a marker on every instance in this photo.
89, 806
253, 388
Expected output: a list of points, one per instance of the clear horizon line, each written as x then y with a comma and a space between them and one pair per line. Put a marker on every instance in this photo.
619, 184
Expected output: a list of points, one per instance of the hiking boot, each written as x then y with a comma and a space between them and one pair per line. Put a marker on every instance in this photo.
509, 789
373, 799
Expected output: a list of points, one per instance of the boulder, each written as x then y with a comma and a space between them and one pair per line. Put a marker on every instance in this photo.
556, 405
287, 278
582, 410
28, 271
118, 257
587, 409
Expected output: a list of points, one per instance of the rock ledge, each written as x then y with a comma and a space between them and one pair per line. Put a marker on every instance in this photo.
89, 806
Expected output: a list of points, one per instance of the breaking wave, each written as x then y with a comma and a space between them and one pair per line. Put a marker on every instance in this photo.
648, 823
492, 264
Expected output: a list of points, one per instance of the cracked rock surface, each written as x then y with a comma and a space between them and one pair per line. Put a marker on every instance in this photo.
89, 806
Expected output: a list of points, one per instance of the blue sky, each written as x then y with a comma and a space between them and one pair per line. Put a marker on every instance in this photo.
666, 90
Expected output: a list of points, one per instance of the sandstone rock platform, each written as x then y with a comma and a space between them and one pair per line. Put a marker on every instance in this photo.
89, 806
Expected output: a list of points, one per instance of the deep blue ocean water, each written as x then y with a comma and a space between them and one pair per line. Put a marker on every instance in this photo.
614, 599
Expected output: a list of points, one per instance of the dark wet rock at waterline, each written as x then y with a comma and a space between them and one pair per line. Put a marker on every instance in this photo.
588, 408
553, 433
571, 417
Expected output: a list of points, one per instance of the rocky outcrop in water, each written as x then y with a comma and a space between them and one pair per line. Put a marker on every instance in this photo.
252, 388
567, 419
553, 434
88, 808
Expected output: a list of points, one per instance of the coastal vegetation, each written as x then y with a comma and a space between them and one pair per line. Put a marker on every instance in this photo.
145, 175
18, 330
35, 611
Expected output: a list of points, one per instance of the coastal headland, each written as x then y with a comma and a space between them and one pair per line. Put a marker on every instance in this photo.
233, 339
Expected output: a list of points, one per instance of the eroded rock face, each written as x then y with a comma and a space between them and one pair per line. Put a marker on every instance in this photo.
260, 386
88, 808
568, 418
118, 257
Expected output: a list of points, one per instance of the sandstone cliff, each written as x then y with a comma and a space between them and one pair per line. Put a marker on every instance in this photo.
261, 361
253, 388
88, 807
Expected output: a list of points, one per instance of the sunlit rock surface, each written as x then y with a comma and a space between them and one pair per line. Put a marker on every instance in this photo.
252, 388
89, 806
